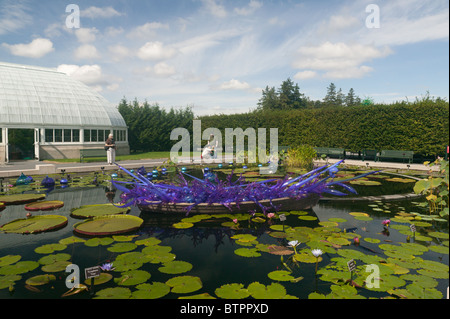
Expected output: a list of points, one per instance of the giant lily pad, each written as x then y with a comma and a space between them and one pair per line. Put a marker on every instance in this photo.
35, 224
109, 225
232, 291
90, 211
103, 278
122, 247
184, 284
45, 205
20, 198
49, 248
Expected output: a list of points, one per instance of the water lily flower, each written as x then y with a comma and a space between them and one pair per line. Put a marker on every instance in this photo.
317, 253
356, 240
293, 243
107, 267
235, 221
386, 222
270, 215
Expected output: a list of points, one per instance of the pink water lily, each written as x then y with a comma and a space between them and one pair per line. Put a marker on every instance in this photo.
270, 215
386, 222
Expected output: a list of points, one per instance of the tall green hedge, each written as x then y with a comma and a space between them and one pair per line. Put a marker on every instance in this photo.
420, 126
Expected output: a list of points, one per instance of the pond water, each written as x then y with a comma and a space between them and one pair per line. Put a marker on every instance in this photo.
250, 257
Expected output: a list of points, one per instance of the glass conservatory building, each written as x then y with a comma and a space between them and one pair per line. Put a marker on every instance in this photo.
45, 114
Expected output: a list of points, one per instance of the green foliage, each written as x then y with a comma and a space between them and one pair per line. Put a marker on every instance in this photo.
421, 126
287, 97
149, 126
436, 189
301, 156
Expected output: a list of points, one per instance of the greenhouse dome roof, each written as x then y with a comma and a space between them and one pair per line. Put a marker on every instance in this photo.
41, 97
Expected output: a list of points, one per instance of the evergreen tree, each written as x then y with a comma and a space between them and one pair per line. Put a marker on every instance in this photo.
352, 99
340, 97
331, 97
269, 99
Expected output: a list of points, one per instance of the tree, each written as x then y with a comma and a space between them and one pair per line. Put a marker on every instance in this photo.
331, 97
269, 99
352, 99
340, 97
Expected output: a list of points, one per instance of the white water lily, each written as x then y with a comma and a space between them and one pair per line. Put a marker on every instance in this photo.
317, 253
293, 243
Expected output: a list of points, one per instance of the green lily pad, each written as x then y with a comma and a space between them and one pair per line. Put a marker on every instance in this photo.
272, 291
422, 281
9, 259
35, 224
388, 282
184, 284
45, 205
71, 240
175, 267
198, 296
439, 235
337, 220
18, 268
351, 254
247, 252
8, 281
94, 242
232, 291
183, 225
20, 198
129, 261
133, 277
103, 278
122, 247
40, 280
363, 218
154, 290
57, 266
365, 182
308, 218
151, 241
244, 237
90, 211
338, 241
124, 238
306, 258
440, 249
50, 259
109, 225
278, 234
328, 224
280, 275
372, 240
418, 292
49, 248
113, 293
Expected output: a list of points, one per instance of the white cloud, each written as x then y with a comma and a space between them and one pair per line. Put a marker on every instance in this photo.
86, 51
13, 16
88, 74
305, 75
119, 52
155, 51
234, 85
164, 70
215, 9
339, 60
147, 30
249, 9
96, 12
86, 35
35, 49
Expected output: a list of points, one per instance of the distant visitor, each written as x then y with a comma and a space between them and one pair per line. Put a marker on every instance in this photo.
110, 147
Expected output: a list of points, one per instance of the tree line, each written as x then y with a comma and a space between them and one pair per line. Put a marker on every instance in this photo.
289, 97
149, 126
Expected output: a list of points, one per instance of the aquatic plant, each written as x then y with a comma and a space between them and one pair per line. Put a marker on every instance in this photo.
231, 192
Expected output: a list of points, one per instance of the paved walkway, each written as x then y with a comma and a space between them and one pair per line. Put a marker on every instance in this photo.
14, 169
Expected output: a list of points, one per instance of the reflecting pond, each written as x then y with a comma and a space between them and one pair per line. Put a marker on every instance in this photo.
233, 256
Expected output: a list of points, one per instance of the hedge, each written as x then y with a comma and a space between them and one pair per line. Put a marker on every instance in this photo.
421, 126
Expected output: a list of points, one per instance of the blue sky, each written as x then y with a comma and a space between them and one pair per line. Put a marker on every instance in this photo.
217, 55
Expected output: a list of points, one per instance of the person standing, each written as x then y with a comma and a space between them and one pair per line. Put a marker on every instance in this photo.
110, 147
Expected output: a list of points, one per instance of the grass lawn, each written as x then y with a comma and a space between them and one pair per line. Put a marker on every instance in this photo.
135, 156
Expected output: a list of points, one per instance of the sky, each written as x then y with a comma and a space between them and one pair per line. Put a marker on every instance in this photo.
217, 56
